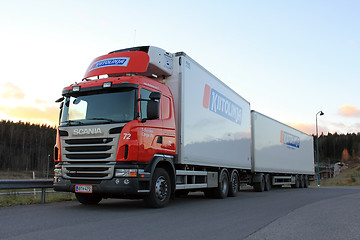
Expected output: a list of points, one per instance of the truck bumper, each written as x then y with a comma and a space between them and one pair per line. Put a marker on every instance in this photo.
120, 187
117, 187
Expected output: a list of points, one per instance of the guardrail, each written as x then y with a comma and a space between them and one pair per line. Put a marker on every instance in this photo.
26, 184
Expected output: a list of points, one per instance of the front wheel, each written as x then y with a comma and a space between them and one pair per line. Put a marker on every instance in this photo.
160, 189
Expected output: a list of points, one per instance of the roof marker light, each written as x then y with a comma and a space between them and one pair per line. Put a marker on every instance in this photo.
76, 89
107, 84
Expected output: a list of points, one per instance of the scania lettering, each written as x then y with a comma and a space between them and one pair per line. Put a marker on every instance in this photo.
149, 124
87, 131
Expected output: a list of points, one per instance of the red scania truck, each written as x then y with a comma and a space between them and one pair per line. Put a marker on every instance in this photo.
145, 123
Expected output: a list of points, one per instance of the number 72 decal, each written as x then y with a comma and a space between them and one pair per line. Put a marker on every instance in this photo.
127, 136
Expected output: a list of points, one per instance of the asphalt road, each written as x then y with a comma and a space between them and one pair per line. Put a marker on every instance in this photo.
313, 213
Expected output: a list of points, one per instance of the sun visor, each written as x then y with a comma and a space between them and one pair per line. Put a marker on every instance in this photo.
118, 63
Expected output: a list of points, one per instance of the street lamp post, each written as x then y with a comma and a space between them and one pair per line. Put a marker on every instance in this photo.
317, 147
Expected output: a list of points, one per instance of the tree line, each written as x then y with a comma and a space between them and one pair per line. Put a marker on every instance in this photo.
25, 146
29, 147
338, 147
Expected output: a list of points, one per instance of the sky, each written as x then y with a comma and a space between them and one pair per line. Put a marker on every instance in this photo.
289, 59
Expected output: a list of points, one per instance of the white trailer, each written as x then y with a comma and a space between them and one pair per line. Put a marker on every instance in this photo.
214, 121
280, 152
213, 129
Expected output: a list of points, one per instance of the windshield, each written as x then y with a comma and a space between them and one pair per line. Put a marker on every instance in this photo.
99, 108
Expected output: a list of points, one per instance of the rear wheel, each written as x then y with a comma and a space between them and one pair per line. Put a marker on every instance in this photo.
267, 186
302, 181
88, 198
306, 181
260, 185
296, 184
234, 184
223, 187
160, 189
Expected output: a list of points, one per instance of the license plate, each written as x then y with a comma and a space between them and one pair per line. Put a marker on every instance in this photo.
83, 188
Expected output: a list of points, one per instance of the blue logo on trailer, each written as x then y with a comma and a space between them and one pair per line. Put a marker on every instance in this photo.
111, 62
221, 105
289, 139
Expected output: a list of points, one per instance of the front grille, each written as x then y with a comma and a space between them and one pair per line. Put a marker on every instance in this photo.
88, 141
89, 149
90, 157
75, 171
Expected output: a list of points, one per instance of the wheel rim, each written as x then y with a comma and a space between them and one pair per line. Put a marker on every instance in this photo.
161, 188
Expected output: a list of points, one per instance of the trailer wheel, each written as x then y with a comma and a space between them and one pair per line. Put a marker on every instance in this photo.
223, 187
301, 182
260, 185
306, 181
296, 185
160, 189
88, 198
234, 184
267, 186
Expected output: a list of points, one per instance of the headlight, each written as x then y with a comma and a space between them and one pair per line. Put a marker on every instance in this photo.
126, 173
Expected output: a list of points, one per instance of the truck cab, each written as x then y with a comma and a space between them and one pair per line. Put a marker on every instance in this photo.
116, 126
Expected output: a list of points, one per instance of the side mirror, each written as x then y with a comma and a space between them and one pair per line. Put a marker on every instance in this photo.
61, 110
60, 100
152, 109
155, 96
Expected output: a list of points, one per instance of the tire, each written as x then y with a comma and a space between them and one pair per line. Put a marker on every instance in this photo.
306, 181
160, 191
267, 186
260, 186
297, 184
301, 182
88, 198
234, 184
222, 190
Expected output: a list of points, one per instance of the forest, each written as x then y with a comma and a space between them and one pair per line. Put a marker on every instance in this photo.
25, 146
29, 147
338, 148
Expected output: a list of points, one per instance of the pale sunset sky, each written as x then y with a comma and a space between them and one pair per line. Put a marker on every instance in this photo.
289, 59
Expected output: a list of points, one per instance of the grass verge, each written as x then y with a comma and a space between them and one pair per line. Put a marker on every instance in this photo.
347, 177
13, 200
